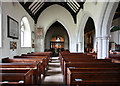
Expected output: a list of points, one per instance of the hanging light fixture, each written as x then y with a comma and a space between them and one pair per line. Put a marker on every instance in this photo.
58, 39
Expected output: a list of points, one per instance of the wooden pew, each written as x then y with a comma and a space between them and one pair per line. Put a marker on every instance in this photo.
63, 53
70, 54
11, 84
44, 60
86, 57
77, 55
93, 54
116, 60
93, 77
34, 56
48, 54
88, 65
70, 60
114, 55
26, 76
24, 60
34, 65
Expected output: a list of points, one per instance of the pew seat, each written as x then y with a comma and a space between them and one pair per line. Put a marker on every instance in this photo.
25, 76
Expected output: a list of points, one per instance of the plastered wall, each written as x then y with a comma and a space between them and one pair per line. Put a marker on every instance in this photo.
115, 35
58, 13
15, 11
95, 10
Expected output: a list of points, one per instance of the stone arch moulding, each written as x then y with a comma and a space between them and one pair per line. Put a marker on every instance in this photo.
82, 24
109, 14
105, 27
48, 27
80, 35
69, 35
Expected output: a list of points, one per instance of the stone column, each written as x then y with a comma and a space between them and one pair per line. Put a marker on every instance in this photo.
105, 47
99, 47
39, 40
80, 47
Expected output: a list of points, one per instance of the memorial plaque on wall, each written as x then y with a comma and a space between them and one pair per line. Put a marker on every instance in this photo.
13, 30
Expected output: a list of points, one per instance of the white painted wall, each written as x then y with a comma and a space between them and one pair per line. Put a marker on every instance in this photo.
115, 35
58, 13
17, 12
93, 10
99, 12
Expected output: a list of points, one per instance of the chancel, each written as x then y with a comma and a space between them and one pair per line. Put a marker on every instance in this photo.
60, 43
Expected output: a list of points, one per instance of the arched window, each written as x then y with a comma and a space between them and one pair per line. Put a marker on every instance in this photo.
0, 26
25, 33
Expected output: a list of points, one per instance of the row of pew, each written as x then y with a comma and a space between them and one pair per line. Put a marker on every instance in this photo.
83, 69
24, 70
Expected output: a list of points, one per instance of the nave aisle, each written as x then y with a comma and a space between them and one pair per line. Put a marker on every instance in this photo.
54, 75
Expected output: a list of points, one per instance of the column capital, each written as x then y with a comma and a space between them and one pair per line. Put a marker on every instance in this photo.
98, 38
106, 37
103, 37
79, 42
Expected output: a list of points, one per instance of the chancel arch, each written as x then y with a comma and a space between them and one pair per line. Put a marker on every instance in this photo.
57, 32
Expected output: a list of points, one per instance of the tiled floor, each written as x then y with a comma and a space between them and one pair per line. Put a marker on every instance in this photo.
54, 75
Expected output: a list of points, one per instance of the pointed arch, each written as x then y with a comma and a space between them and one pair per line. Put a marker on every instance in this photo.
57, 20
80, 34
60, 31
108, 17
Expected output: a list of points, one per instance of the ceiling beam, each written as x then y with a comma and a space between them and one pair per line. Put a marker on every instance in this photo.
36, 8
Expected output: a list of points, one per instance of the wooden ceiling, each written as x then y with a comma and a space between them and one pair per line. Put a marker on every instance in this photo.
36, 7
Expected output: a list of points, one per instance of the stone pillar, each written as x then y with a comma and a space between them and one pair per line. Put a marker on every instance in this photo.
39, 40
105, 47
99, 47
73, 46
80, 47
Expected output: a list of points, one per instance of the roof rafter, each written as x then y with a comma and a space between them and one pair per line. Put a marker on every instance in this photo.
36, 7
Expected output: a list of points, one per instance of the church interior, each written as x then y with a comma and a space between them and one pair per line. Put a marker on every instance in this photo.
60, 43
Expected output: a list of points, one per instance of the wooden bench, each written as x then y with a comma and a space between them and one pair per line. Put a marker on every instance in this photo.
32, 65
93, 54
24, 60
88, 65
25, 76
44, 59
75, 57
93, 77
116, 60
48, 54
30, 56
70, 54
11, 84
70, 60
